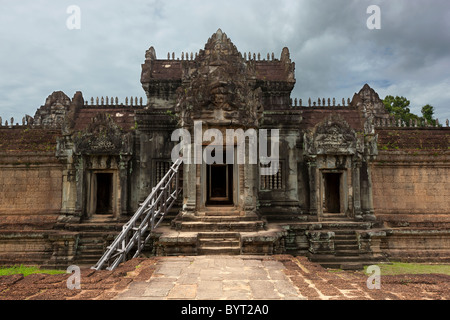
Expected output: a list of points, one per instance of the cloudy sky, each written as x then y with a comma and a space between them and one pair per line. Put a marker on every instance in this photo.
334, 50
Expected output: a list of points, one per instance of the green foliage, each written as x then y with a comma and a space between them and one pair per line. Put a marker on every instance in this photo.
413, 268
401, 268
26, 271
399, 108
428, 113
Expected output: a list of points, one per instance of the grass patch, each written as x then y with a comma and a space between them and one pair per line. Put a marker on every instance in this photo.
397, 268
26, 270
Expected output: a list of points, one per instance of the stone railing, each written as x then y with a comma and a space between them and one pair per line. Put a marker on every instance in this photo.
190, 56
114, 102
99, 102
26, 121
399, 123
321, 102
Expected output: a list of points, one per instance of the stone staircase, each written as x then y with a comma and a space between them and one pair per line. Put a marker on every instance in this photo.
221, 230
219, 243
220, 219
345, 250
93, 238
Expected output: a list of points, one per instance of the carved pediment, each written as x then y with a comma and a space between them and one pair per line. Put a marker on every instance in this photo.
332, 136
219, 86
102, 136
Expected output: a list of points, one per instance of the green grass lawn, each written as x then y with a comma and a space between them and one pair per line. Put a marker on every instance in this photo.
26, 270
397, 268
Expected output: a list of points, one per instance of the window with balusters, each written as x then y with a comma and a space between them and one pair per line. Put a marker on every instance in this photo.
161, 169
272, 182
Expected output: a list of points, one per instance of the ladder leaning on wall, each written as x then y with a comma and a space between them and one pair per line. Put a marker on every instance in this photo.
149, 215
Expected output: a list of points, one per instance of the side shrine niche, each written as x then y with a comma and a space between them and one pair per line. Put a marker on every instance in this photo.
337, 159
98, 168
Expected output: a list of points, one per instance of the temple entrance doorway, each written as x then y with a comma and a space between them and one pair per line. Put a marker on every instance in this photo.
332, 194
219, 184
104, 193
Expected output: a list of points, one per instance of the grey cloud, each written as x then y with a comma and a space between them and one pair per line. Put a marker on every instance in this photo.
335, 53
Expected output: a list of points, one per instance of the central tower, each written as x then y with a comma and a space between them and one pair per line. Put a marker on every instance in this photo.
219, 90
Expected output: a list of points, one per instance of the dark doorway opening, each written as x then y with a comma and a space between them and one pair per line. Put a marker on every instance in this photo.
219, 184
104, 193
332, 201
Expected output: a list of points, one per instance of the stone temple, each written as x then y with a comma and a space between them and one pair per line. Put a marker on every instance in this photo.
353, 187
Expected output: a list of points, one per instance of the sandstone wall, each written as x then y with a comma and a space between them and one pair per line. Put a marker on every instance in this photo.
410, 177
411, 196
30, 189
30, 174
409, 188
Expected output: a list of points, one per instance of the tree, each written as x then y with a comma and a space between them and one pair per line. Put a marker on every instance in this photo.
428, 112
399, 107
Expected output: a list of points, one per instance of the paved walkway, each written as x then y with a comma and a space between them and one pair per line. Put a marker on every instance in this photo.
279, 277
214, 278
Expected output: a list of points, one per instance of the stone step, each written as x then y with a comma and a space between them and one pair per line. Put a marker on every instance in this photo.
344, 232
335, 217
346, 253
221, 218
211, 243
224, 239
220, 213
91, 240
99, 247
214, 235
95, 227
90, 254
344, 225
345, 242
220, 208
219, 251
87, 235
219, 243
87, 250
220, 226
344, 237
331, 214
346, 247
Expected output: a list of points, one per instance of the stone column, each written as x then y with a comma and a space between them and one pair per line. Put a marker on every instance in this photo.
80, 206
123, 181
366, 193
190, 185
250, 174
356, 189
313, 186
291, 169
